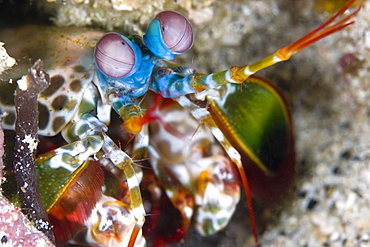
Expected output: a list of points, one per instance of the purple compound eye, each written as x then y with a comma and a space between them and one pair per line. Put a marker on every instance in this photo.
177, 32
114, 55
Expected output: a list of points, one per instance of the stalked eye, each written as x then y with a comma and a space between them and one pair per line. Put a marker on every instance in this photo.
114, 55
176, 30
169, 34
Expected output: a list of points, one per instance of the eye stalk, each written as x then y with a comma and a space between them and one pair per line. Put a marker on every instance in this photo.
169, 34
116, 56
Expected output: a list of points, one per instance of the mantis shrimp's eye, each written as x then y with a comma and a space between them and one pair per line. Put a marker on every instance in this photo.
114, 55
169, 34
176, 30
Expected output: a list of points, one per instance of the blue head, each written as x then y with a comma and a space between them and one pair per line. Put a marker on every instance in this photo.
169, 34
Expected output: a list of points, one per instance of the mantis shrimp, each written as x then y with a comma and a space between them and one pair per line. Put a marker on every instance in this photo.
126, 69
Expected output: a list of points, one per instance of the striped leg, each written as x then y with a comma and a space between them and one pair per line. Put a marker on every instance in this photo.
124, 162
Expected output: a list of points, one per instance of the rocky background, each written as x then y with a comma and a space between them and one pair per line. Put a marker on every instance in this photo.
326, 85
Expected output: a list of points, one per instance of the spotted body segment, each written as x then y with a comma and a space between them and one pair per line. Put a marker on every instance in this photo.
192, 167
68, 60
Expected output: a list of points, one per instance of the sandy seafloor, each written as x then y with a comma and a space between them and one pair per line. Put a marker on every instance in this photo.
330, 202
